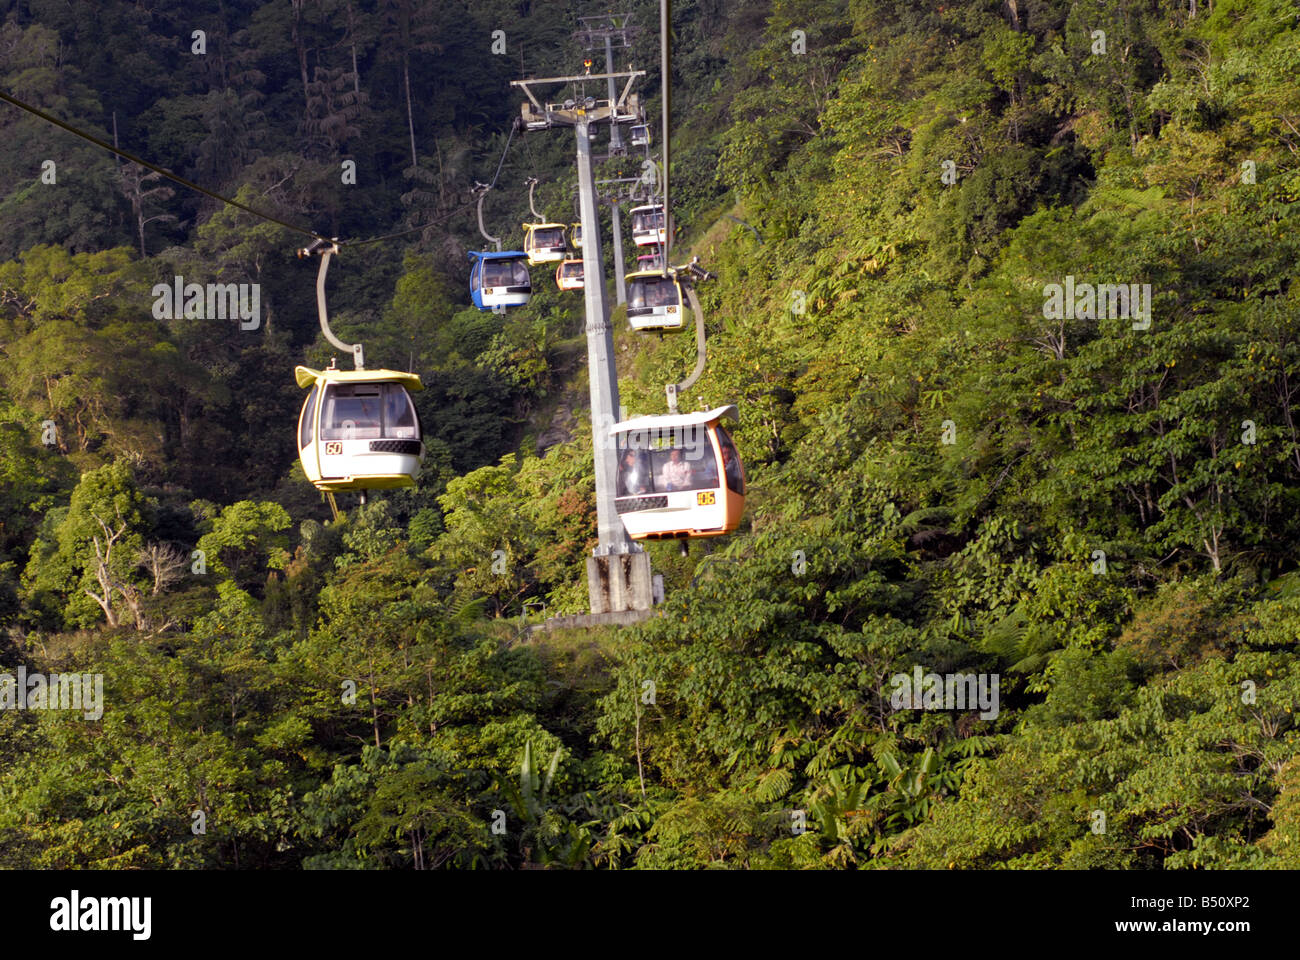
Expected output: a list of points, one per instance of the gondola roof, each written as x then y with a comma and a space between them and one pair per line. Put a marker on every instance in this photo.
306, 376
497, 254
662, 420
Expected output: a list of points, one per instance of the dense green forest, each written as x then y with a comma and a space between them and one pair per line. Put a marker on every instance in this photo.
945, 472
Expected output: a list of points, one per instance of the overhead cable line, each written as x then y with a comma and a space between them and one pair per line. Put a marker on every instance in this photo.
500, 163
230, 201
448, 216
34, 111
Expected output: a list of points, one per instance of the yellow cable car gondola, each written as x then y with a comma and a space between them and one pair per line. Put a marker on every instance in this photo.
544, 242
359, 429
575, 235
679, 475
654, 301
568, 275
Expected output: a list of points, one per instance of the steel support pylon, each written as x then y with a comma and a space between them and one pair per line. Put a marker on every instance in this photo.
619, 577
620, 269
602, 371
615, 134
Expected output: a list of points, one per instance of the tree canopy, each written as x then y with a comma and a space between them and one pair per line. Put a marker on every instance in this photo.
1004, 292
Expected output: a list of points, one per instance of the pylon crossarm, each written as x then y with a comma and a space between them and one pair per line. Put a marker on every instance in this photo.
576, 78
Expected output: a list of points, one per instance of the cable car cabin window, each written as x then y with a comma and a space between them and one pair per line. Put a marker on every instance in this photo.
475, 273
368, 411
679, 458
652, 292
505, 273
399, 414
550, 237
308, 424
352, 412
731, 463
648, 221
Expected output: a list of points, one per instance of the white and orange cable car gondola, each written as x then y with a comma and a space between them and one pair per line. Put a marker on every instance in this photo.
679, 475
568, 275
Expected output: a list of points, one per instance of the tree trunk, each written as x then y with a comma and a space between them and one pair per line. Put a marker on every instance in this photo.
109, 615
442, 196
352, 37
302, 50
1014, 7
410, 119
374, 706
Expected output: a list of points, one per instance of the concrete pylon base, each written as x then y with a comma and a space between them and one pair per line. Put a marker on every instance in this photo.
619, 581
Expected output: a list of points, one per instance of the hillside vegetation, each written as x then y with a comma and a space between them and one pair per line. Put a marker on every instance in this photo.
945, 472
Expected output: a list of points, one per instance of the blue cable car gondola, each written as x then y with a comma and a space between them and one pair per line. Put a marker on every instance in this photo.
499, 279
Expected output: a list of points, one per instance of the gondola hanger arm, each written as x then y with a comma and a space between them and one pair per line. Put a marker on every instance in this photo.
532, 184
673, 389
483, 189
326, 250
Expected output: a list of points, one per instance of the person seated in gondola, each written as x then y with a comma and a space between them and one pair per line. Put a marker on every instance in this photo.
731, 467
632, 480
676, 471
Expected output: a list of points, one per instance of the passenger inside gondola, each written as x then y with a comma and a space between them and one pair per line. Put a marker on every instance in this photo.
730, 462
676, 472
633, 476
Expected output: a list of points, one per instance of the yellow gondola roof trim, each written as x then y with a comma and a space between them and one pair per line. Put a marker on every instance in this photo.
652, 273
306, 376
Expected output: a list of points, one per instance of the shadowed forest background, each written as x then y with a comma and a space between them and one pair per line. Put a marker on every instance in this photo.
1113, 531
